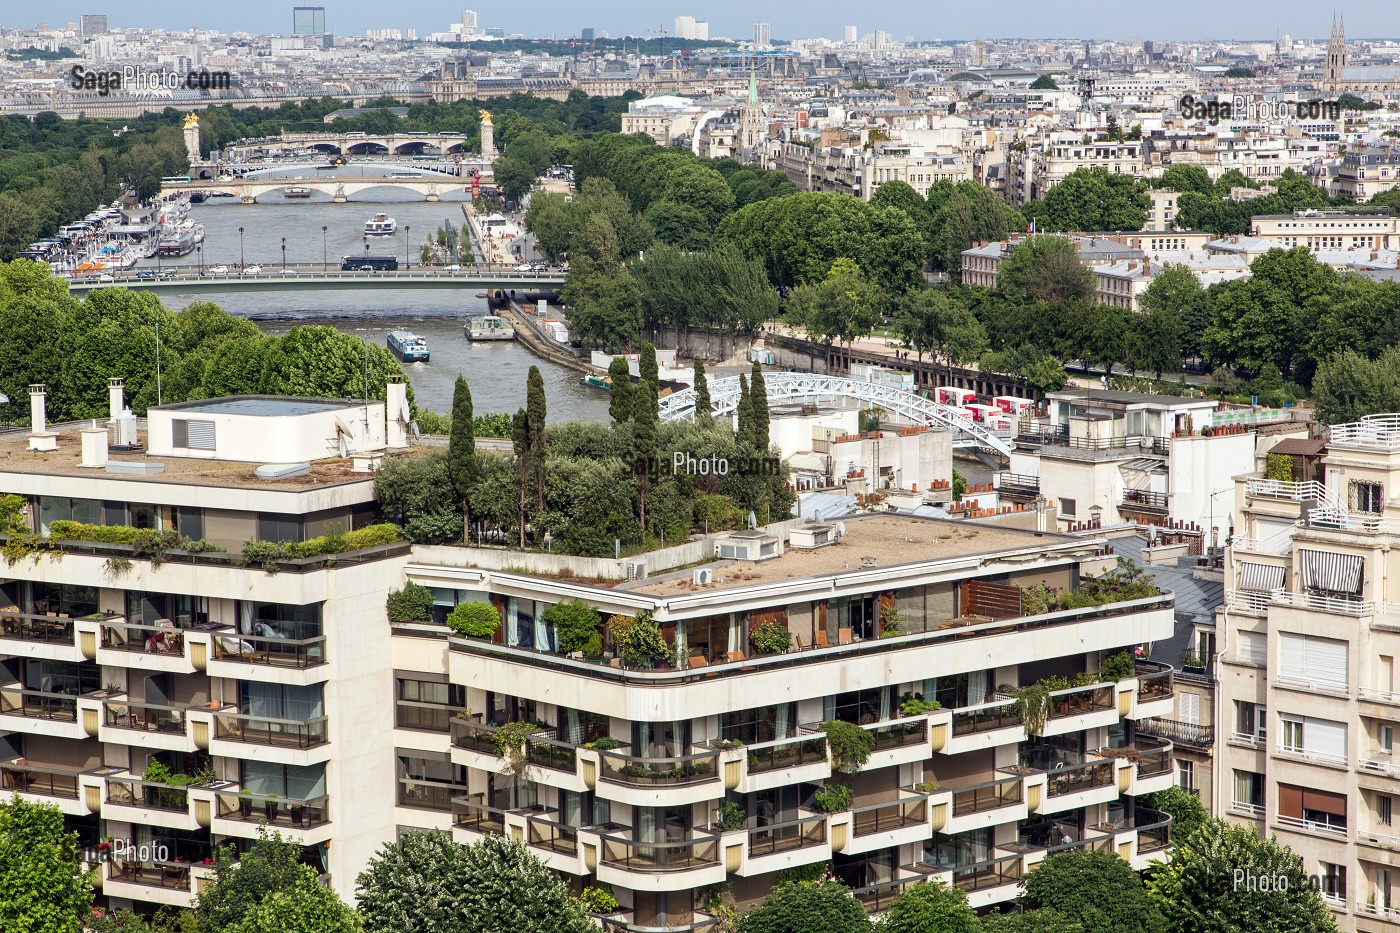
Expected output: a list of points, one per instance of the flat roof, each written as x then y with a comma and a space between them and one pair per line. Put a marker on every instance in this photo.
262, 406
887, 540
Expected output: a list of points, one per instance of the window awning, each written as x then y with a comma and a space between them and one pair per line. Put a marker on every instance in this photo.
1260, 578
1143, 465
1335, 573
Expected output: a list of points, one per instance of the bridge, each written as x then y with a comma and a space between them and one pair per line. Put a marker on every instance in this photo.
490, 278
453, 168
353, 144
249, 189
807, 387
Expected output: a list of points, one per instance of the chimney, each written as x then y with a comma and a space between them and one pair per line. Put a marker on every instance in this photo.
94, 447
40, 438
115, 400
396, 412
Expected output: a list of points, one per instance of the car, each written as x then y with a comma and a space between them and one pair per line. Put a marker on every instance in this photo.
166, 274
252, 270
289, 272
106, 277
366, 268
218, 270
146, 275
452, 268
524, 267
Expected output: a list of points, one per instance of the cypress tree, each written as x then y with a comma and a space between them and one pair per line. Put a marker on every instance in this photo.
646, 367
644, 420
535, 411
744, 427
619, 391
704, 411
758, 409
520, 441
462, 465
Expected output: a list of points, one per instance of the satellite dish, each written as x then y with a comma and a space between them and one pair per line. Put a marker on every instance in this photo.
344, 446
753, 519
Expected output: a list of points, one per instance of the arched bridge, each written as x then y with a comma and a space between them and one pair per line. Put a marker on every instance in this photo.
354, 144
340, 189
807, 387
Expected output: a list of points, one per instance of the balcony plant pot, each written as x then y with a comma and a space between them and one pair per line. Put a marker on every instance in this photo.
270, 810
297, 813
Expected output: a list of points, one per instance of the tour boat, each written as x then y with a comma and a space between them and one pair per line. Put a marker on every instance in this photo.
297, 192
381, 225
489, 327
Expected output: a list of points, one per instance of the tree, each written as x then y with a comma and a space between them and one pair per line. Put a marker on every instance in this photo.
550, 217
461, 453
513, 176
1183, 178
743, 416
703, 409
1186, 810
1031, 921
807, 907
679, 225
1155, 341
1044, 83
933, 320
901, 196
19, 225
644, 421
619, 390
1094, 199
426, 883
535, 410
42, 885
1175, 292
520, 445
271, 865
1045, 268
758, 409
930, 907
1098, 889
309, 907
646, 364
1213, 885
1349, 386
417, 493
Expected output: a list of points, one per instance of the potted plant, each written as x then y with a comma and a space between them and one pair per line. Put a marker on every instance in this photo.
770, 638
731, 816
849, 745
599, 900
270, 808
833, 798
474, 620
1191, 661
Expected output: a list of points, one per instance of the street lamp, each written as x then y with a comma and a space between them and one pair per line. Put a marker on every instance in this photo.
325, 265
284, 254
407, 247
240, 248
366, 239
199, 251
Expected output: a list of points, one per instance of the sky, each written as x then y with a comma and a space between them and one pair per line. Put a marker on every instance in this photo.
1163, 20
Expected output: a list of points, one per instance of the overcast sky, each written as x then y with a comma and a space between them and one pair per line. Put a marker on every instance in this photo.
1179, 19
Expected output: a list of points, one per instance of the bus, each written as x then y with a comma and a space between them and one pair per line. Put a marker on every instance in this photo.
369, 263
175, 179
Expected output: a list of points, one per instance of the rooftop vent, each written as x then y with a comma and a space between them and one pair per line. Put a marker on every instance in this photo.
749, 544
808, 537
135, 467
282, 470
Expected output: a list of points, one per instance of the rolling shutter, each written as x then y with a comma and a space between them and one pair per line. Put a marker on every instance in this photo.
1320, 662
1325, 739
1254, 648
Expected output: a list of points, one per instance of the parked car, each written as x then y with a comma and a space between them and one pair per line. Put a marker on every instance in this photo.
146, 275
106, 277
253, 270
218, 270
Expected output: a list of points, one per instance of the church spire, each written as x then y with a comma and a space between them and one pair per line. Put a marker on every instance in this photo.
753, 85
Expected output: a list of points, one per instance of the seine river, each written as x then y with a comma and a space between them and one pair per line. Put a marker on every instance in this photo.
495, 371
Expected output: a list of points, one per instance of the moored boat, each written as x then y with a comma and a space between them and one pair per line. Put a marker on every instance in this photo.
408, 346
489, 327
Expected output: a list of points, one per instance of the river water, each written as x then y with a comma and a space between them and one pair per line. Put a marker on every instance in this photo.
496, 371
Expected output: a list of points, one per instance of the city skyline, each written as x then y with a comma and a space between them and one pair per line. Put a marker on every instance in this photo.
1192, 22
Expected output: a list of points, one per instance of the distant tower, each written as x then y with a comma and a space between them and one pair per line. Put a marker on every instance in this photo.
488, 136
753, 122
192, 138
1336, 54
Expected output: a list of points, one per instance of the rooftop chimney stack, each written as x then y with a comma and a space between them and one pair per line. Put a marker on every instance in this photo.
115, 400
40, 438
396, 413
94, 447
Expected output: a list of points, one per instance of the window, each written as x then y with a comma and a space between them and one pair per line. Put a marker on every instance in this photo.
1321, 739
1314, 662
763, 724
1334, 881
1385, 739
1254, 648
1249, 792
1384, 803
1185, 774
1368, 497
1068, 507
274, 527
427, 705
1251, 721
1189, 708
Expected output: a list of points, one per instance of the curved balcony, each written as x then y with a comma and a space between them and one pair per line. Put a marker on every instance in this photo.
632, 778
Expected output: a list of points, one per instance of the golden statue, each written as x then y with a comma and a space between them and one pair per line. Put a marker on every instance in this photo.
191, 120
485, 116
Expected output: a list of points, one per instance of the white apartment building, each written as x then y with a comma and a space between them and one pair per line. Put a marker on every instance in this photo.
1331, 229
918, 168
1366, 171
1038, 165
289, 699
1307, 693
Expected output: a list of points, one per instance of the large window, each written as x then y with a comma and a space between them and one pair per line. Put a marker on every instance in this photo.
276, 620
56, 598
861, 707
1334, 881
430, 782
1312, 661
274, 527
1322, 739
62, 508
427, 705
295, 782
1318, 809
761, 724
183, 610
1251, 721
280, 701
1249, 792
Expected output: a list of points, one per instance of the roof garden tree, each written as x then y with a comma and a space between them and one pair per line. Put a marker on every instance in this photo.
416, 493
619, 390
42, 885
462, 463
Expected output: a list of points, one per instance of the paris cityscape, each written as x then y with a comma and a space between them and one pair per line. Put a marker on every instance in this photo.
733, 469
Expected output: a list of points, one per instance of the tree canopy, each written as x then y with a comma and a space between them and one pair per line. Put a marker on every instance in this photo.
42, 885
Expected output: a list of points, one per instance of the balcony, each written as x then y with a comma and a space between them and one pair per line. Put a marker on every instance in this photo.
1144, 500
471, 814
898, 741
288, 653
781, 762
1155, 689
153, 725
37, 704
49, 636
1326, 830
134, 800
986, 725
551, 835
1080, 708
422, 794
989, 803
270, 730
683, 856
424, 717
678, 771
990, 881
62, 786
1187, 734
775, 838
1080, 785
242, 813
890, 823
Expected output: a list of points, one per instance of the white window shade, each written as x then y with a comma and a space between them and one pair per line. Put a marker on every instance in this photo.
1322, 739
1253, 648
1309, 661
1189, 708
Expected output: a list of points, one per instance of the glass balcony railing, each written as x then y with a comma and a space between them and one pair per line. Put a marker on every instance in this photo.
1074, 779
992, 795
20, 777
145, 717
989, 874
1154, 830
1156, 757
298, 653
426, 717
985, 717
151, 795
38, 704
50, 628
549, 834
786, 836
275, 810
899, 733
270, 730
787, 753
1078, 701
145, 639
1154, 683
472, 813
883, 817
171, 875
423, 794
679, 855
551, 753
619, 768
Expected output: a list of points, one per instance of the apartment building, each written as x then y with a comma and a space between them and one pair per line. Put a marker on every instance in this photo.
1036, 165
1366, 171
278, 689
1307, 693
1331, 229
267, 681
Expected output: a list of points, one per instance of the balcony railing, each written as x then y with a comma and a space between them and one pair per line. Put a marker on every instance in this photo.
47, 628
38, 704
787, 753
153, 795
1193, 734
992, 795
1073, 779
18, 776
986, 717
472, 813
894, 814
784, 837
1153, 684
619, 768
426, 717
682, 855
270, 730
146, 639
275, 810
545, 833
1155, 835
1312, 826
1145, 499
1077, 701
467, 733
299, 653
145, 717
172, 875
1156, 758
989, 874
899, 733
428, 795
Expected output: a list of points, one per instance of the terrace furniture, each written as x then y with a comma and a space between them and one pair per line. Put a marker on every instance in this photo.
820, 639
843, 636
733, 656
698, 660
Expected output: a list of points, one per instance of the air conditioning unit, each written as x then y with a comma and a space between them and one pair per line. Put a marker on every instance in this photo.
807, 537
636, 570
702, 576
